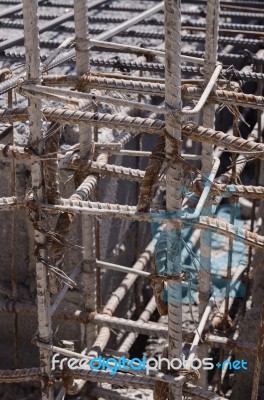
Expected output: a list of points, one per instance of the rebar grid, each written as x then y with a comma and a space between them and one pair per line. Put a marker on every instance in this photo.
165, 164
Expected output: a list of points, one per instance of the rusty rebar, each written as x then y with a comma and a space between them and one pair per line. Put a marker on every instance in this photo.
259, 357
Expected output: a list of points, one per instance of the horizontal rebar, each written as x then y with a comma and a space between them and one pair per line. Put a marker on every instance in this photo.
84, 317
223, 140
145, 328
250, 192
227, 97
136, 124
232, 344
49, 25
130, 212
21, 375
245, 27
229, 14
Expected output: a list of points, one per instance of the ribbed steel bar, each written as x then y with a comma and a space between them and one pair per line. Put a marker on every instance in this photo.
223, 140
9, 306
43, 16
231, 344
228, 73
228, 97
134, 124
15, 9
155, 35
241, 161
21, 375
116, 298
202, 321
224, 4
231, 14
49, 25
220, 96
94, 82
121, 268
245, 57
137, 327
172, 11
224, 40
144, 318
250, 43
138, 124
249, 192
31, 36
138, 50
137, 381
85, 139
130, 174
158, 88
244, 27
76, 96
211, 47
259, 358
129, 212
104, 35
153, 21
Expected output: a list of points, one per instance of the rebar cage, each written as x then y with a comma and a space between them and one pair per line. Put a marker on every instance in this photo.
174, 95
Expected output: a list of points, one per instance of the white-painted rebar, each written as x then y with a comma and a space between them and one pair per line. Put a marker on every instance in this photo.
137, 327
120, 268
66, 95
144, 318
211, 46
199, 331
31, 34
85, 138
204, 97
172, 12
140, 50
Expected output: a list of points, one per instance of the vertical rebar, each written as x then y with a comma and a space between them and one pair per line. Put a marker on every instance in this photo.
85, 138
259, 357
31, 34
14, 232
211, 40
173, 180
